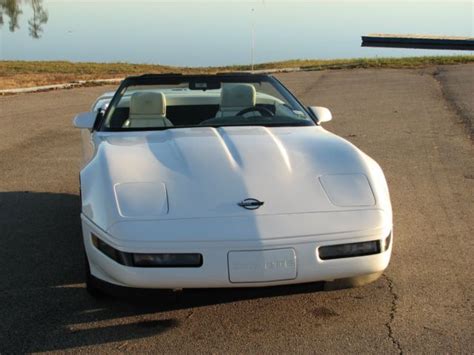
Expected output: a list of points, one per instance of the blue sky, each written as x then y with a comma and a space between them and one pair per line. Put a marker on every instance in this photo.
212, 32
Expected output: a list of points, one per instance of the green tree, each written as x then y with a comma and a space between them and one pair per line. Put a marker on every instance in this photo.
40, 17
12, 9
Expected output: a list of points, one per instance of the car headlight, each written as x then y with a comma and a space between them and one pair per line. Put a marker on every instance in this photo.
148, 260
350, 250
141, 199
348, 190
167, 260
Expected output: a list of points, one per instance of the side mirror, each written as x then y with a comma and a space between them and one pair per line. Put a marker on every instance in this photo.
322, 113
85, 120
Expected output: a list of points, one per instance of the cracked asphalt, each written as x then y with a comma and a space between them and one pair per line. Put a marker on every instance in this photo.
413, 122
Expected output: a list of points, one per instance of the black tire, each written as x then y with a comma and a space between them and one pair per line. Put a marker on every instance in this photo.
92, 284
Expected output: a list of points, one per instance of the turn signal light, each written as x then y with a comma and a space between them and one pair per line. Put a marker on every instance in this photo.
349, 250
169, 260
148, 260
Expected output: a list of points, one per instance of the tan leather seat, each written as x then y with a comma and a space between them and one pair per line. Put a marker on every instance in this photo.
235, 98
147, 109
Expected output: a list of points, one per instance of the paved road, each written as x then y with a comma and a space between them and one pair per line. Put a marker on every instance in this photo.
458, 88
424, 302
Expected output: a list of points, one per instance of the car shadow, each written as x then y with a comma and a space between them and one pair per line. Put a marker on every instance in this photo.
44, 304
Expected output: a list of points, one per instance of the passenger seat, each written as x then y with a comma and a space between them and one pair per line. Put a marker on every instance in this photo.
147, 109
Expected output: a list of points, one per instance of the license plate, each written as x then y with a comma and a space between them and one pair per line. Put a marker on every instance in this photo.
262, 265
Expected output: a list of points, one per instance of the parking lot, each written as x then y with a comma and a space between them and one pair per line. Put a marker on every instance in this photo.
412, 121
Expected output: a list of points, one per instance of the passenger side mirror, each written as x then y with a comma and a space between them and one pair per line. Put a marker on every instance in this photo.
85, 120
322, 113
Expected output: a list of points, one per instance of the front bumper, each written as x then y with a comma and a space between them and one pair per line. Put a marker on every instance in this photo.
214, 273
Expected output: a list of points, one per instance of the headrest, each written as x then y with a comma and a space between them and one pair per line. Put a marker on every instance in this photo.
238, 95
147, 103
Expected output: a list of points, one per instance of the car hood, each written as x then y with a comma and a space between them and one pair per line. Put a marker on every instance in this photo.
205, 172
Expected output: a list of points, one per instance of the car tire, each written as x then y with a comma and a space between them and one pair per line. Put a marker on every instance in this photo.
92, 284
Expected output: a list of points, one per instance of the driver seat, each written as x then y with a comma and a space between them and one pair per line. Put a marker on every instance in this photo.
147, 109
235, 98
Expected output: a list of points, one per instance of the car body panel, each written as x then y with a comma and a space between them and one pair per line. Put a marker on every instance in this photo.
206, 172
214, 271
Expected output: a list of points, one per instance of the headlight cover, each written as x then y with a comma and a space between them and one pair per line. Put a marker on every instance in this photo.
348, 190
141, 199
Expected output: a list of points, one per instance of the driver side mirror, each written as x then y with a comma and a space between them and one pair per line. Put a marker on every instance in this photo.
322, 113
85, 120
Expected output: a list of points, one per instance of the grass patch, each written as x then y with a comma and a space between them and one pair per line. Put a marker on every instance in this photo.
14, 74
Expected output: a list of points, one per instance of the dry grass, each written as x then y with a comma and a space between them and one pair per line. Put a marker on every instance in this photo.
16, 74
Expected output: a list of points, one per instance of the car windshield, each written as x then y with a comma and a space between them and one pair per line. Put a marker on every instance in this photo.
161, 102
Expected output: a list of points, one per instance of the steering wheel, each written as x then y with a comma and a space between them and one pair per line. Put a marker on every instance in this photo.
262, 110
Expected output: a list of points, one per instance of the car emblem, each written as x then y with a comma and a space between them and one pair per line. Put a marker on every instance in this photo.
250, 204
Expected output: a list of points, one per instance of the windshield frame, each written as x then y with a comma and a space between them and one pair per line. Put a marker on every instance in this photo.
176, 79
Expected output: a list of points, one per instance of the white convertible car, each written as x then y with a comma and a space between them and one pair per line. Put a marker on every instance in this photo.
226, 180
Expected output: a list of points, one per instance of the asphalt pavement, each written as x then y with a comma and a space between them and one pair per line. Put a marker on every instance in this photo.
413, 122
